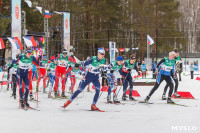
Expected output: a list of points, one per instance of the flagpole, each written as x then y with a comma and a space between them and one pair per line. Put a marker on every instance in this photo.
147, 54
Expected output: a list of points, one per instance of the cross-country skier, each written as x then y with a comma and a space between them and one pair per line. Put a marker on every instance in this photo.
112, 77
175, 77
128, 65
9, 75
44, 62
63, 61
13, 69
167, 65
76, 71
25, 64
71, 64
94, 64
34, 72
51, 70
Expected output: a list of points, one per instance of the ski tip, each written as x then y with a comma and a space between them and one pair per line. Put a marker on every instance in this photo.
98, 110
62, 107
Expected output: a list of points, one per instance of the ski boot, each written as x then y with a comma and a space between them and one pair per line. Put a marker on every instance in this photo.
22, 104
131, 97
115, 100
31, 97
63, 95
109, 99
147, 99
94, 107
164, 97
169, 100
49, 95
7, 88
14, 95
70, 90
26, 103
124, 97
176, 95
44, 90
56, 94
66, 104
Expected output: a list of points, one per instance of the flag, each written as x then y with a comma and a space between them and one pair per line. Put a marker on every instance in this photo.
15, 42
149, 40
116, 50
43, 41
2, 46
127, 49
28, 2
106, 49
30, 41
121, 49
47, 14
134, 48
39, 9
57, 12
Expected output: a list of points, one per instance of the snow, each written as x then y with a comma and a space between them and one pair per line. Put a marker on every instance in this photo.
131, 117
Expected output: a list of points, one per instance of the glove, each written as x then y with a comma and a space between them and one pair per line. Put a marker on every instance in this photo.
129, 70
112, 71
103, 73
138, 73
83, 75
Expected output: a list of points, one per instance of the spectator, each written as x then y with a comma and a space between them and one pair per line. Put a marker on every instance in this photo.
191, 69
143, 68
1, 69
154, 69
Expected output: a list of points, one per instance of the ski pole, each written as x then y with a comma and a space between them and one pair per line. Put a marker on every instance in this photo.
100, 89
122, 84
19, 90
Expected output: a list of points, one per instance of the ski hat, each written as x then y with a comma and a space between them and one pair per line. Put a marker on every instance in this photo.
132, 57
119, 58
176, 50
172, 53
76, 65
44, 56
101, 50
64, 51
53, 58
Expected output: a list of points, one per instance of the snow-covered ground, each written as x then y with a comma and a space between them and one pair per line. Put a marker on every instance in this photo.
131, 117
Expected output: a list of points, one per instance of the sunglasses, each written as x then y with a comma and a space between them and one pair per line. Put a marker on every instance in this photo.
102, 53
55, 59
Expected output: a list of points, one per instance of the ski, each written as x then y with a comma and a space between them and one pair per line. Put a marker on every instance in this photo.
33, 108
184, 98
62, 107
115, 103
179, 104
25, 109
97, 110
145, 102
64, 97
